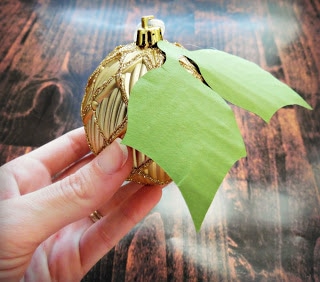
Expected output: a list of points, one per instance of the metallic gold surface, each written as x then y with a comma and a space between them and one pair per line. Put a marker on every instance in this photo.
104, 105
148, 36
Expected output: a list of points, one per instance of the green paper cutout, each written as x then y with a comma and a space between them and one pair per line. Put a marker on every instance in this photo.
239, 81
189, 129
195, 143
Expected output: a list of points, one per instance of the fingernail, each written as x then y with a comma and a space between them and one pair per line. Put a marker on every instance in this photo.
124, 150
113, 157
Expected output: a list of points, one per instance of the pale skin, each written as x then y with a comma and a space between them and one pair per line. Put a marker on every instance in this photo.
46, 197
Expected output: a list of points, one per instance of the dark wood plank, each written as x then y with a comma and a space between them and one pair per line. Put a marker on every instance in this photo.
264, 223
9, 152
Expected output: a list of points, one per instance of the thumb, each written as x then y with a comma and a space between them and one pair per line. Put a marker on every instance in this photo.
45, 211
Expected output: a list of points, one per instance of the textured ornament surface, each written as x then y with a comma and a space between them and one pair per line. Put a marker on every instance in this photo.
104, 106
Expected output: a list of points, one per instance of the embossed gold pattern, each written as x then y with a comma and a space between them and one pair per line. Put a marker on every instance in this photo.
104, 105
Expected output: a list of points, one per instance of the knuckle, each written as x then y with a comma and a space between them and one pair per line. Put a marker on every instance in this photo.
130, 215
75, 187
106, 238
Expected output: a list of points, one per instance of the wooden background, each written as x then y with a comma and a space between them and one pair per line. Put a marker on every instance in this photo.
264, 223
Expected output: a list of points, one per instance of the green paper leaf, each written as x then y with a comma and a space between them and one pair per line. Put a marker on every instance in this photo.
187, 127
239, 81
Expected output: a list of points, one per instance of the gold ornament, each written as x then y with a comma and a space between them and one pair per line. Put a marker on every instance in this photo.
104, 105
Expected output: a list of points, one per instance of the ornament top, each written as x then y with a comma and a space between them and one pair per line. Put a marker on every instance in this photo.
148, 35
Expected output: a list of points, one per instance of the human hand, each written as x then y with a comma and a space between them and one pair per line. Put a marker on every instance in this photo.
45, 199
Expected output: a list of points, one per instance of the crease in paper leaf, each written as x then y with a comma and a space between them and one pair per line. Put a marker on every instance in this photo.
189, 129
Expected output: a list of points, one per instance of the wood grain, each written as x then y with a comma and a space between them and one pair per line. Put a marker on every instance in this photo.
264, 223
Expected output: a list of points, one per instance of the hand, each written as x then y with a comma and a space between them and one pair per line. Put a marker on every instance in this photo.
46, 197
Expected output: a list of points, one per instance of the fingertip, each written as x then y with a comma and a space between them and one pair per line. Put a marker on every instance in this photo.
113, 157
124, 150
156, 190
144, 200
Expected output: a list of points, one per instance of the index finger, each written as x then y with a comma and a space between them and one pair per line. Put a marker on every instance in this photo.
63, 151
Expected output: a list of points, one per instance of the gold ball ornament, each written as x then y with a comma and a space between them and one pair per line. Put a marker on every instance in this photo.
104, 105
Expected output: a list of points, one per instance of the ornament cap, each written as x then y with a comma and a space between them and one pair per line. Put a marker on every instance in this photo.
147, 35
